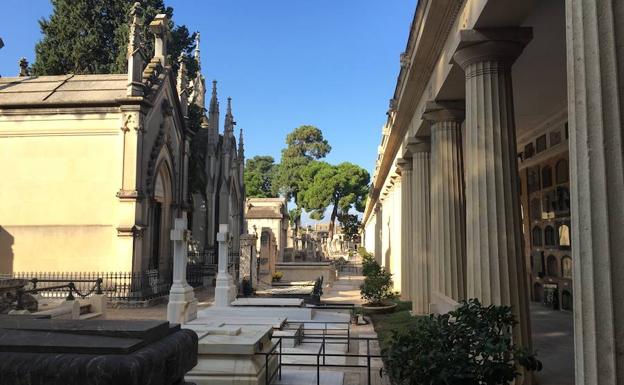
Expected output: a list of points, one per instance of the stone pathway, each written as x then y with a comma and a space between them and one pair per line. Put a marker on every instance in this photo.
553, 339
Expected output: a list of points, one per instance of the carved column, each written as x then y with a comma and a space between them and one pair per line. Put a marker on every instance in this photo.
447, 199
421, 216
595, 37
407, 252
495, 269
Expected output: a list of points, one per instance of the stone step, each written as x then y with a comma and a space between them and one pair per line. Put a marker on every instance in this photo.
87, 316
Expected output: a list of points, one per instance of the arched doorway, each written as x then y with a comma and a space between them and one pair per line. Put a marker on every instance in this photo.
161, 219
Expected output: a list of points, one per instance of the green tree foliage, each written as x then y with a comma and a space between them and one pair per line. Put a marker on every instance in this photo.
350, 224
304, 145
91, 37
259, 172
307, 142
344, 187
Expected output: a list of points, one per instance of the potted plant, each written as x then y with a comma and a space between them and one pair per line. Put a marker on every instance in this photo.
472, 345
277, 276
377, 289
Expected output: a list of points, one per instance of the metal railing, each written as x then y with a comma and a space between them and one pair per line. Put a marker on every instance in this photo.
70, 287
320, 355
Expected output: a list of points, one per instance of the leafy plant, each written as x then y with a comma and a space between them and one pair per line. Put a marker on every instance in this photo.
472, 345
369, 265
277, 276
377, 286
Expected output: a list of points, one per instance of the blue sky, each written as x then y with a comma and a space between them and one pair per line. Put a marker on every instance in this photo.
329, 63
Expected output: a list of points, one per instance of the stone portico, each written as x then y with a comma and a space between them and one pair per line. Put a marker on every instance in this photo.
493, 97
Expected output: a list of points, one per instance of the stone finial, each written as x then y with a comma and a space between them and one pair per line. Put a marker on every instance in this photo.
229, 119
160, 28
23, 64
182, 84
136, 60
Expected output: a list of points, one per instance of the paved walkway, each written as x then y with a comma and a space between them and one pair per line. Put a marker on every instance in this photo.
553, 340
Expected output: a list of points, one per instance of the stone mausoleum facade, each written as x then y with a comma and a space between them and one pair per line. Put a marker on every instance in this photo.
500, 172
96, 167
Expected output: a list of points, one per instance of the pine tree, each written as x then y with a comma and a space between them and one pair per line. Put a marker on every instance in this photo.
91, 36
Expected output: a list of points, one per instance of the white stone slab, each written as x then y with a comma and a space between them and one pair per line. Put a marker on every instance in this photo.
298, 377
257, 311
274, 322
246, 342
285, 302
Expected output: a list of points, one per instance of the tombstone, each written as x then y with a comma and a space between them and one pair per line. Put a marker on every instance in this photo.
225, 290
104, 352
248, 260
182, 306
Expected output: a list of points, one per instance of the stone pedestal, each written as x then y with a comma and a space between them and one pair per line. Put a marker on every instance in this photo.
182, 306
421, 216
407, 251
233, 358
447, 199
496, 268
596, 116
225, 290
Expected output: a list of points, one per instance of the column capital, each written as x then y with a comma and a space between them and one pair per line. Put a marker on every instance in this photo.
404, 164
502, 45
417, 144
445, 111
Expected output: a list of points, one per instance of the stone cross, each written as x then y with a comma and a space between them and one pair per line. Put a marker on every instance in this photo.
182, 306
225, 290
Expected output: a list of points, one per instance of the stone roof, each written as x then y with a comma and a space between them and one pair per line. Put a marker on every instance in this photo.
264, 212
26, 91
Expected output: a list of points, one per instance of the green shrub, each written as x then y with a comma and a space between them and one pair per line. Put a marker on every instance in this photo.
472, 345
369, 265
277, 276
377, 286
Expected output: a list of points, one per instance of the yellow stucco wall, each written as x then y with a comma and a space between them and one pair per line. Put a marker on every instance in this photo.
58, 209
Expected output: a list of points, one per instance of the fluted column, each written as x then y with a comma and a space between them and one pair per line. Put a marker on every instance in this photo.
407, 252
595, 39
419, 149
495, 265
447, 199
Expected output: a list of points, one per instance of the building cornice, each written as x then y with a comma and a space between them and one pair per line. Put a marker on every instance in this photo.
431, 25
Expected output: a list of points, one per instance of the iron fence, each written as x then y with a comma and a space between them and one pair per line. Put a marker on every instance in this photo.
118, 286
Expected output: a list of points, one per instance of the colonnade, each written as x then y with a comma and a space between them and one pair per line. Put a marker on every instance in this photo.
464, 212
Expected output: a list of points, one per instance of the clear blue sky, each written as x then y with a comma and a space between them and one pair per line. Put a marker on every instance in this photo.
329, 63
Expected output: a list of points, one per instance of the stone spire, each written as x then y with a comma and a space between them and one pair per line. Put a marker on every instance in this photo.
198, 95
213, 116
182, 85
241, 147
136, 60
229, 120
196, 50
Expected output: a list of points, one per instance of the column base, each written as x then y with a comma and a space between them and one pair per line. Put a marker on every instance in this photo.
225, 290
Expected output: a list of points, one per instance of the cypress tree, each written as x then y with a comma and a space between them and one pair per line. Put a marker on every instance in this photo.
91, 36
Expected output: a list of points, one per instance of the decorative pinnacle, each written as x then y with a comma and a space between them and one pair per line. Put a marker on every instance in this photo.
196, 51
23, 63
229, 106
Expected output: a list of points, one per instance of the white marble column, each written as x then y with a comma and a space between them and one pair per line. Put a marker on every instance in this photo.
407, 251
595, 37
419, 149
495, 262
447, 199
